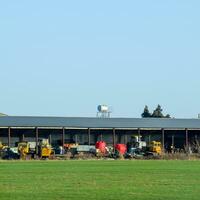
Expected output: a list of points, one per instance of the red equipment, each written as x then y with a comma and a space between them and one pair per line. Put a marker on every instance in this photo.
101, 146
121, 148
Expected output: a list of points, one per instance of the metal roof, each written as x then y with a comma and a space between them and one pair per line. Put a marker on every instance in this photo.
85, 122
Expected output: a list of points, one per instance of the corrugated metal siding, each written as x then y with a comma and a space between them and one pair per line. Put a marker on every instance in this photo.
83, 122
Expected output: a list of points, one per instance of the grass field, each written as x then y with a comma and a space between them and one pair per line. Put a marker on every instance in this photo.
116, 180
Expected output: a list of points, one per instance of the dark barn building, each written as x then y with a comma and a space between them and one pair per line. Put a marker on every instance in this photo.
59, 130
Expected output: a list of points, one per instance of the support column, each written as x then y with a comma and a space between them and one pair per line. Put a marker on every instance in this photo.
172, 144
149, 138
23, 138
114, 140
50, 139
163, 139
186, 140
89, 139
139, 132
125, 139
196, 138
63, 137
9, 139
76, 139
36, 139
101, 137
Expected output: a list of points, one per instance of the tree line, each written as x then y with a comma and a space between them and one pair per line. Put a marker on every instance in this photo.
157, 113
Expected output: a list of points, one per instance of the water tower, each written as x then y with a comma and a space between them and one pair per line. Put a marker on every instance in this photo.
103, 111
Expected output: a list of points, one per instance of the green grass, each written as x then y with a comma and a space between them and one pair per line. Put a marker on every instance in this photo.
98, 180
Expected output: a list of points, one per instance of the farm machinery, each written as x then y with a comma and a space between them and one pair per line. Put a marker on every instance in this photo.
23, 150
2, 147
27, 150
99, 150
8, 153
42, 149
45, 149
155, 148
138, 148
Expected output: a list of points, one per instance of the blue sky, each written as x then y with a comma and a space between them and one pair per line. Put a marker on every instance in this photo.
63, 58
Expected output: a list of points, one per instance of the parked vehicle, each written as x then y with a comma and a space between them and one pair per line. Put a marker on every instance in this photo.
138, 148
45, 149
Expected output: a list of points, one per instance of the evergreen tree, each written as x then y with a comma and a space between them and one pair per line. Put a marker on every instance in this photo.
158, 112
146, 112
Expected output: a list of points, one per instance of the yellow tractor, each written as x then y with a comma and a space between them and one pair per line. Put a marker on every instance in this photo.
155, 147
26, 150
23, 150
45, 149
